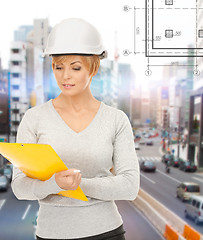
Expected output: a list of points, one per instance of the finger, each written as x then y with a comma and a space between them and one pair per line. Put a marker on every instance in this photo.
76, 180
68, 172
79, 179
73, 171
62, 173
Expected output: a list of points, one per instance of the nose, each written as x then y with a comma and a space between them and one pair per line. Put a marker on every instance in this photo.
67, 74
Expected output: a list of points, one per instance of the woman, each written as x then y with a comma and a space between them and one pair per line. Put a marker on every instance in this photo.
89, 136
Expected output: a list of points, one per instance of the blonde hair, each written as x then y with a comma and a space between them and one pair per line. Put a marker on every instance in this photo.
91, 63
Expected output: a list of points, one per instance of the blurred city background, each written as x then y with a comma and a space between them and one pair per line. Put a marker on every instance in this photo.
165, 111
172, 104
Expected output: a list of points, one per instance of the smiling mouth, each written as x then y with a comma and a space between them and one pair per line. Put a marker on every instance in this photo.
67, 86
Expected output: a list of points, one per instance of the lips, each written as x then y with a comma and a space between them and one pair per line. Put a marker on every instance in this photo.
68, 86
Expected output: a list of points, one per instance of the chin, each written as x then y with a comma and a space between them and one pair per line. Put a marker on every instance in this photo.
71, 94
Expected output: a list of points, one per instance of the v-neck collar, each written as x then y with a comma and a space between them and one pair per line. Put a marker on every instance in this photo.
69, 128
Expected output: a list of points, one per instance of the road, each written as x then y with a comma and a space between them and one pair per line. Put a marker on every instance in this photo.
137, 226
16, 217
162, 186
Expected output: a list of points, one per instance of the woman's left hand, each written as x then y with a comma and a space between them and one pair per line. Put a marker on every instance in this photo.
68, 179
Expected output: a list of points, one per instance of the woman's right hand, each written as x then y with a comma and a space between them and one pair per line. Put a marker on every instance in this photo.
68, 179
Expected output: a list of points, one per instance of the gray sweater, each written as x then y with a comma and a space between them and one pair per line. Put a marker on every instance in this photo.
106, 142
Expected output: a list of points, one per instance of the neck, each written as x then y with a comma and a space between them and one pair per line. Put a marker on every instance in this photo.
77, 103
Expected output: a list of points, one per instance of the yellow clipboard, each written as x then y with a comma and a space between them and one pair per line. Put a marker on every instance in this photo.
38, 161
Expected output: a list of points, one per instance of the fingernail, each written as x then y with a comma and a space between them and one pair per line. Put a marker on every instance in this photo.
75, 171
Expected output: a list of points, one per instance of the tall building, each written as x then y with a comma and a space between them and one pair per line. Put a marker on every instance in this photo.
195, 133
125, 86
135, 106
20, 34
145, 107
162, 118
38, 68
179, 82
114, 91
105, 84
17, 82
4, 127
101, 82
153, 93
29, 72
179, 96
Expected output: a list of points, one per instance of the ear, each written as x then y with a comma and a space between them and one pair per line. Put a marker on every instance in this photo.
94, 73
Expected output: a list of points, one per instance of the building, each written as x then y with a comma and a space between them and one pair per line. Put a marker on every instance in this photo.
29, 75
20, 34
195, 133
162, 107
179, 96
144, 104
153, 87
101, 82
125, 88
135, 106
17, 85
113, 88
4, 126
38, 68
145, 108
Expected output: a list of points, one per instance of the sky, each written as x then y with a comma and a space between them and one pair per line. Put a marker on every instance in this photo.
108, 16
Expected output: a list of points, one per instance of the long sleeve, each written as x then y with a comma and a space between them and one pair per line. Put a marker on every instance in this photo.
25, 187
126, 182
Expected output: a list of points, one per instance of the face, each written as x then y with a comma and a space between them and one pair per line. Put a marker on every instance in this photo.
72, 76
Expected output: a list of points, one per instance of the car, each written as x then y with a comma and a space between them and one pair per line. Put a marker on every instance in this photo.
149, 142
148, 166
142, 141
194, 209
186, 189
187, 166
167, 158
143, 133
175, 162
4, 183
8, 173
146, 135
137, 146
137, 136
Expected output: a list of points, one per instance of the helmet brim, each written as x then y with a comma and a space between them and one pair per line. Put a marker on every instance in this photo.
103, 55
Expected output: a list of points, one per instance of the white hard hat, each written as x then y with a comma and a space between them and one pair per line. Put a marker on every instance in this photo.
75, 36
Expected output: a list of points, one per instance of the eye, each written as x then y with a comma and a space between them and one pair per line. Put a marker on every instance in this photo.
58, 68
77, 68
